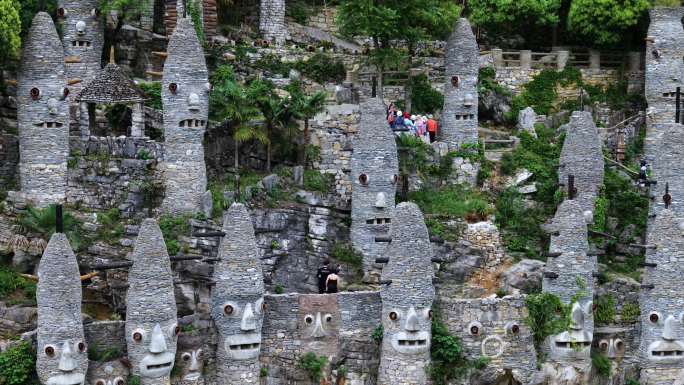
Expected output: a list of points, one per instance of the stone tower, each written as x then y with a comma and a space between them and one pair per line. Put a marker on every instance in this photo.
407, 301
374, 173
43, 115
151, 325
570, 274
459, 116
237, 301
582, 156
83, 40
664, 151
185, 95
62, 356
272, 21
664, 65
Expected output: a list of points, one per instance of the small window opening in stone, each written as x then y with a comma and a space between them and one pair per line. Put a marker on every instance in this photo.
370, 221
455, 81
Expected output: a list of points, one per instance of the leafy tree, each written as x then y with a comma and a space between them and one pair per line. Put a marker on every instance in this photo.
305, 107
605, 22
497, 13
10, 29
230, 101
29, 8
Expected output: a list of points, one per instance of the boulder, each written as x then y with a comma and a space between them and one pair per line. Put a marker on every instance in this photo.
525, 277
526, 120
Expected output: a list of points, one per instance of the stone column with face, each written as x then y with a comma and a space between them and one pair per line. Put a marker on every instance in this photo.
237, 301
319, 325
374, 173
43, 115
572, 273
407, 301
190, 360
62, 357
582, 156
151, 323
107, 373
459, 120
185, 95
661, 348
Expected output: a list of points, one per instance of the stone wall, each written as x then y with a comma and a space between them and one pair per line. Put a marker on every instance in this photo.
272, 21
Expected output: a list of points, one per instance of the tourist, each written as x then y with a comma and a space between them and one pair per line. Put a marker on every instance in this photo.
431, 128
420, 126
331, 281
410, 123
322, 276
399, 121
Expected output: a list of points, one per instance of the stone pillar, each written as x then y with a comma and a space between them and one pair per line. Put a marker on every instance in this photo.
137, 121
272, 21
525, 59
497, 56
594, 59
562, 59
634, 58
83, 120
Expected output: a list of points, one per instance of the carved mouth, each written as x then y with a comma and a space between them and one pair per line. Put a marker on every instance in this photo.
158, 366
196, 123
49, 125
411, 342
192, 376
244, 346
667, 353
66, 379
80, 43
378, 221
573, 344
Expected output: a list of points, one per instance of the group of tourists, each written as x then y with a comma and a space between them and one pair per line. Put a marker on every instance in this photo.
327, 278
421, 126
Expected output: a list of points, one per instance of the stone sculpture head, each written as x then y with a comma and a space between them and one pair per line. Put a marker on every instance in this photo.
151, 324
407, 301
107, 373
83, 30
576, 341
62, 357
238, 296
190, 359
319, 324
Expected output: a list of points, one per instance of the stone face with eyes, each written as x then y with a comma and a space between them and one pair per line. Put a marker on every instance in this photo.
151, 325
374, 177
190, 360
185, 95
107, 373
62, 357
43, 114
407, 300
83, 37
237, 300
319, 324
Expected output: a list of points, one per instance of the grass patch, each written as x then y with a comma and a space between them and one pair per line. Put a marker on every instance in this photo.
172, 228
15, 288
630, 312
111, 228
605, 310
456, 201
314, 180
313, 365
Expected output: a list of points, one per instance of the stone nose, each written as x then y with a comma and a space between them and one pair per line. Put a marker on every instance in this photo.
319, 330
81, 27
248, 320
193, 101
194, 362
67, 363
380, 200
611, 350
670, 328
412, 324
576, 317
52, 106
157, 342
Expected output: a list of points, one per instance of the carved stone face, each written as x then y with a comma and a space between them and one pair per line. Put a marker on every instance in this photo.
407, 328
669, 347
240, 321
63, 362
190, 360
107, 373
319, 323
613, 348
82, 28
576, 341
152, 347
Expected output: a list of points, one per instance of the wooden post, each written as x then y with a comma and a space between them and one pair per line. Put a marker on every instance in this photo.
59, 223
677, 99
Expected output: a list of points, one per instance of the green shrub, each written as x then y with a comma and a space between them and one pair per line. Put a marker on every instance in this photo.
263, 371
42, 221
17, 365
96, 353
454, 201
605, 309
111, 228
486, 82
314, 180
600, 208
540, 93
278, 289
173, 227
11, 281
377, 334
134, 380
153, 92
323, 68
446, 353
424, 98
630, 312
346, 253
547, 316
414, 155
312, 365
195, 13
602, 364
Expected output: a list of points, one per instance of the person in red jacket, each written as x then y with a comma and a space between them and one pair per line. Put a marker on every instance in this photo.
432, 128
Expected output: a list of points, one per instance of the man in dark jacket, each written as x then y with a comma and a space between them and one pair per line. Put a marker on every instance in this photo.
322, 275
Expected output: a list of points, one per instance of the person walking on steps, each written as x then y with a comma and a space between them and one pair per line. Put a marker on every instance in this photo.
322, 276
331, 281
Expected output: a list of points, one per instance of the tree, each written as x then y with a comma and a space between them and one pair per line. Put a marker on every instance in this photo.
10, 30
606, 22
411, 21
230, 101
305, 107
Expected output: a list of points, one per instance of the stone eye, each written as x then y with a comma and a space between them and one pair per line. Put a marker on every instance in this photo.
619, 344
475, 328
455, 80
119, 381
308, 319
173, 87
430, 314
653, 317
81, 347
363, 179
515, 329
65, 93
95, 12
186, 357
61, 12
137, 336
603, 345
228, 309
394, 178
35, 93
199, 353
50, 351
100, 382
176, 330
328, 318
393, 315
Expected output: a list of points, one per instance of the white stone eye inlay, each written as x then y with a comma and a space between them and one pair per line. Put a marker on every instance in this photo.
80, 27
475, 328
138, 335
230, 309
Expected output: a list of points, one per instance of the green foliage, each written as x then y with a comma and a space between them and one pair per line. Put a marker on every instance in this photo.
630, 312
605, 22
666, 3
195, 12
601, 364
300, 11
314, 180
11, 282
453, 201
42, 222
111, 227
414, 155
278, 289
631, 381
605, 310
17, 365
173, 227
377, 334
275, 245
263, 371
425, 99
29, 8
626, 203
312, 365
547, 316
10, 30
128, 10
96, 353
486, 82
153, 92
540, 93
503, 13
134, 380
346, 253
600, 208
448, 361
323, 68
